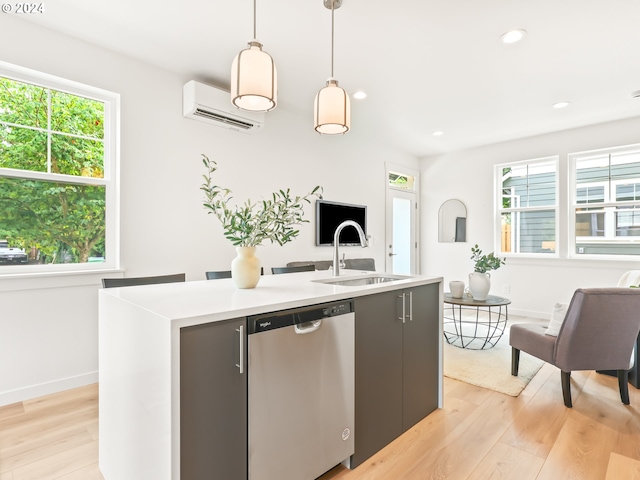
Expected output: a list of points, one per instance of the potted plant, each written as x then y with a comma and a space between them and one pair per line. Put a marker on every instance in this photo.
250, 224
480, 279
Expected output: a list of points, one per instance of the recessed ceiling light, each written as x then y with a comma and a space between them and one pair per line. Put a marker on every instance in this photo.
513, 36
437, 133
561, 104
359, 95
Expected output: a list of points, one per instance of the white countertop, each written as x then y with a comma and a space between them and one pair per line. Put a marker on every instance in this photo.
183, 303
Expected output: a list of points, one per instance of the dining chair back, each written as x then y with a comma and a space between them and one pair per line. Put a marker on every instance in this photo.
134, 281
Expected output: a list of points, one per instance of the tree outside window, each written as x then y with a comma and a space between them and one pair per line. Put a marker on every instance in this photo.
52, 173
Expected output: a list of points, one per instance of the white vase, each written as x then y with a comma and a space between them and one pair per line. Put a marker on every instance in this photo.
245, 268
479, 285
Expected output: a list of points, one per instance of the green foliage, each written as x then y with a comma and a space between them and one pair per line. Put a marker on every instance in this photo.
250, 224
53, 216
484, 263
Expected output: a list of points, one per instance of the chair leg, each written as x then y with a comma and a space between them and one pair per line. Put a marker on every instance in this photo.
565, 378
515, 361
623, 383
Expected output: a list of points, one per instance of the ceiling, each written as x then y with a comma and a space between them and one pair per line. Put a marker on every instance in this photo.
426, 65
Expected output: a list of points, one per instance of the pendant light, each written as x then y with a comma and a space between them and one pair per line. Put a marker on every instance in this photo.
254, 77
332, 109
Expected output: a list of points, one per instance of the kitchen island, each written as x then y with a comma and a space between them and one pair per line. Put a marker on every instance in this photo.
146, 340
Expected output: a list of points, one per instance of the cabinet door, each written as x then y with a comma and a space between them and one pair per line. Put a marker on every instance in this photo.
420, 354
378, 381
213, 401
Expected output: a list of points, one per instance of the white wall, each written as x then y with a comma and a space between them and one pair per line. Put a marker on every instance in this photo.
535, 285
48, 327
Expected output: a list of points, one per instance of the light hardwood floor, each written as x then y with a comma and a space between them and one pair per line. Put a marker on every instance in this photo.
479, 434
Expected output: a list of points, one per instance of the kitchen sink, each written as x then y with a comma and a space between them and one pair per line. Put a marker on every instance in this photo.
361, 280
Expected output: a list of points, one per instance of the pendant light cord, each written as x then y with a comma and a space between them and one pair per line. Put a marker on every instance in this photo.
254, 19
332, 29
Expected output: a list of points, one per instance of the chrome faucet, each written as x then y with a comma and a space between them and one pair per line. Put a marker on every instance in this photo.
336, 236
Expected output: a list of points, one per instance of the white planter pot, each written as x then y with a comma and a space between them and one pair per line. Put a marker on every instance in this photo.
479, 285
245, 268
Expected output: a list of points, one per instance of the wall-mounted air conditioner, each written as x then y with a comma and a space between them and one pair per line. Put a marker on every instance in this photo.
213, 105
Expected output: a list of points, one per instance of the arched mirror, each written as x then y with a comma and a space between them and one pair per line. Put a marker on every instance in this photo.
452, 222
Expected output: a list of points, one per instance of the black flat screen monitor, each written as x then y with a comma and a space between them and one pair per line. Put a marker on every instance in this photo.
331, 214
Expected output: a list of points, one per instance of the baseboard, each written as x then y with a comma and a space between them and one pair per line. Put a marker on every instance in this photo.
34, 391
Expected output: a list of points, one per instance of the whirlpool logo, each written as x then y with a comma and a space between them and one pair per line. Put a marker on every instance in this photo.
264, 324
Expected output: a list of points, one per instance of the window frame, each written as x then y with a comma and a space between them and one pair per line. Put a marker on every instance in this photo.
572, 205
110, 180
499, 210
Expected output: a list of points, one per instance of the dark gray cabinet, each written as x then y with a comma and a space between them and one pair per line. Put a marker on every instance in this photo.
213, 401
420, 354
396, 383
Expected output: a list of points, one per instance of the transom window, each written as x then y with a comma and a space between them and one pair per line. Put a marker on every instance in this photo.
57, 173
401, 181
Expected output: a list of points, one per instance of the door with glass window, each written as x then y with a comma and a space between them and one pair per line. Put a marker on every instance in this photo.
401, 225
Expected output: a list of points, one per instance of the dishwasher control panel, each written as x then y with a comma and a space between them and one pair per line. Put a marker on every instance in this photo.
337, 309
270, 321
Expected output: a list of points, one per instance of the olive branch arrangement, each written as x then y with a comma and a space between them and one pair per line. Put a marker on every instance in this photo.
250, 224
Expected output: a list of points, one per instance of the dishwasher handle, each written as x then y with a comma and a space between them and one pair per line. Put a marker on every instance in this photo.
307, 327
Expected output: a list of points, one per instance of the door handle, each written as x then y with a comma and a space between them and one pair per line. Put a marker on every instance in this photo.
392, 254
403, 308
307, 327
411, 306
240, 364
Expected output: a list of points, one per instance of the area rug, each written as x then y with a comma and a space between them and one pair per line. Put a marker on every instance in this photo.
490, 368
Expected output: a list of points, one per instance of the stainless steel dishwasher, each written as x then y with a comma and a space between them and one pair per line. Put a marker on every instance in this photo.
301, 391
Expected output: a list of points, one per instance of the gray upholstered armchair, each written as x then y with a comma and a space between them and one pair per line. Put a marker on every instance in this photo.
598, 333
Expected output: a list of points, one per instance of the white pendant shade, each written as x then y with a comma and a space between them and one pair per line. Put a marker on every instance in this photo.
332, 110
254, 80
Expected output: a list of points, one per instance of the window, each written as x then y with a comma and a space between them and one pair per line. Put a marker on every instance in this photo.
527, 206
401, 181
605, 201
58, 160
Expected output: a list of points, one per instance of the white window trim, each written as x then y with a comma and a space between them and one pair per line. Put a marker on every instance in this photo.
571, 207
498, 210
111, 181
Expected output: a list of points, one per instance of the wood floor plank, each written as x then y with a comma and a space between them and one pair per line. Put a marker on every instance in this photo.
7, 411
506, 462
621, 467
537, 431
583, 446
470, 393
601, 402
456, 456
63, 463
32, 432
59, 444
393, 461
90, 472
63, 400
40, 418
538, 380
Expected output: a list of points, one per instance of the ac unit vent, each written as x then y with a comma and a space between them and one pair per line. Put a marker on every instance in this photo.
221, 118
213, 105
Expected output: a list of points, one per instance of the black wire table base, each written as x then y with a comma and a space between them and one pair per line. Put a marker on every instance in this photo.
474, 324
